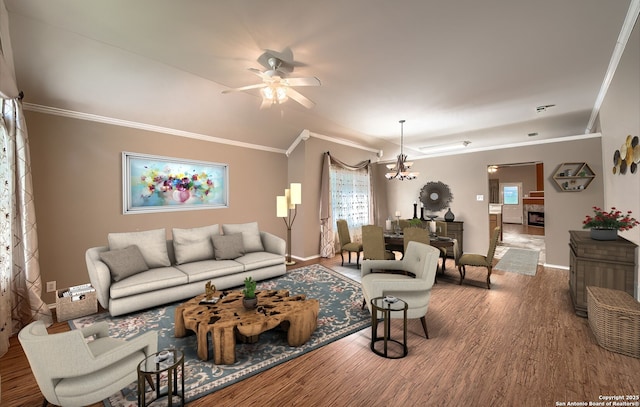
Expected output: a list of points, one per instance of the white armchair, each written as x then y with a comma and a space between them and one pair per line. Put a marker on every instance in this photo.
420, 260
83, 366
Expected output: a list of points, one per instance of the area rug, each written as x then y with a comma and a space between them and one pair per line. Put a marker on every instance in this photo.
521, 261
340, 315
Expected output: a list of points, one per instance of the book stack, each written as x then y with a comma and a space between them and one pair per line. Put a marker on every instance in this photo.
78, 292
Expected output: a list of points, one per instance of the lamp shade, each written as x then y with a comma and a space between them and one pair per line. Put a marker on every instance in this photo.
281, 206
296, 193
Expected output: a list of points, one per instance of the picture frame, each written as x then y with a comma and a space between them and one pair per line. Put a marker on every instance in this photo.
152, 183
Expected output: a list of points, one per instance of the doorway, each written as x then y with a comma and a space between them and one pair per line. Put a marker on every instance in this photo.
515, 190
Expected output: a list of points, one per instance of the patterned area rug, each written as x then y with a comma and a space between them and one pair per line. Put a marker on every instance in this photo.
340, 315
521, 261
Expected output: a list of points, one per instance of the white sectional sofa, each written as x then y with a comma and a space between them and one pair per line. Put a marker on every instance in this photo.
139, 270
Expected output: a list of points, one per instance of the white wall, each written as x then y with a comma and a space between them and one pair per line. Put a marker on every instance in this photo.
620, 117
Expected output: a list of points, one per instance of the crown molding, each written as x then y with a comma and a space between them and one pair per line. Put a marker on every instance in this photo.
143, 126
621, 43
305, 134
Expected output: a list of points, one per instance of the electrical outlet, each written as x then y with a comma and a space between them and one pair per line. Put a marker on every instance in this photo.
51, 286
479, 197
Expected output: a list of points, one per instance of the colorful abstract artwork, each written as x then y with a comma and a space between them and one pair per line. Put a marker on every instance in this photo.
156, 184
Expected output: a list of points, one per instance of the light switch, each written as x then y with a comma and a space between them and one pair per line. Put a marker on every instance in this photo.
479, 197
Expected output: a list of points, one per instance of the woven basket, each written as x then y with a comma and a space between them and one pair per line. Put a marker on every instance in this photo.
614, 317
67, 309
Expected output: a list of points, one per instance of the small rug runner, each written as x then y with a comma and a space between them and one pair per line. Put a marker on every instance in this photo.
340, 315
521, 261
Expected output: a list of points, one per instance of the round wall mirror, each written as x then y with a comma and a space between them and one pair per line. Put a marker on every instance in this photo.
435, 196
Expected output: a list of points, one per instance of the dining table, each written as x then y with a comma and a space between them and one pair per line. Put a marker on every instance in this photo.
395, 242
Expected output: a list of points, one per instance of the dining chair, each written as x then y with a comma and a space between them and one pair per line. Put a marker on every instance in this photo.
441, 230
415, 234
419, 265
346, 245
373, 246
479, 260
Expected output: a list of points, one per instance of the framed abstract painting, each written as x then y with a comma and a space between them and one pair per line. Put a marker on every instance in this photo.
159, 184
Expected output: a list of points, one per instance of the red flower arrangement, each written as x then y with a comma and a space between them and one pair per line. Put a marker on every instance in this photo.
614, 219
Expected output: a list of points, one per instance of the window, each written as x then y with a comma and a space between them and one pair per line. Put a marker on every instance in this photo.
350, 195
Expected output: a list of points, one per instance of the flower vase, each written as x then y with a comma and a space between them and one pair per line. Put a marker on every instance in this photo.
604, 234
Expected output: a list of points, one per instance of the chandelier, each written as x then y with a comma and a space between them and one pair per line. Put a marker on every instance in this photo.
400, 170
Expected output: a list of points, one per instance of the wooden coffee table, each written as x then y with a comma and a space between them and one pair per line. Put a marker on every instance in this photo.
228, 320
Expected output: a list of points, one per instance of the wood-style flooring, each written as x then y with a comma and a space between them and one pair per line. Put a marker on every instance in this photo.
518, 344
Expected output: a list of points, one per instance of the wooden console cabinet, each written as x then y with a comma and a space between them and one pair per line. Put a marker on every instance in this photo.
608, 264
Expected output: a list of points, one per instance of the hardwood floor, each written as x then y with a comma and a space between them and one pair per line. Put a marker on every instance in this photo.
519, 343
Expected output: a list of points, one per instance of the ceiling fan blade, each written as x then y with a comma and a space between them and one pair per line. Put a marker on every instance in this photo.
298, 97
310, 81
248, 87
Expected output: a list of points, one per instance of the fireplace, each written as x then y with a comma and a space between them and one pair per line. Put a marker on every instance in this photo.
535, 218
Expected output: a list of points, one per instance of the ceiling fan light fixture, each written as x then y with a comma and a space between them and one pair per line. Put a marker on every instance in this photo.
401, 169
274, 94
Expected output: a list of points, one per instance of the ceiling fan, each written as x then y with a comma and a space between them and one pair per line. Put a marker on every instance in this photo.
276, 86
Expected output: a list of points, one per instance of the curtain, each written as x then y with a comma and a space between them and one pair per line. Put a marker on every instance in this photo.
20, 284
346, 193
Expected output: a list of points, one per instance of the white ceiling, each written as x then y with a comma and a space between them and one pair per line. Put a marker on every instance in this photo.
455, 70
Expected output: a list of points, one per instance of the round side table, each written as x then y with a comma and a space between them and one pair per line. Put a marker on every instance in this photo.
153, 367
384, 306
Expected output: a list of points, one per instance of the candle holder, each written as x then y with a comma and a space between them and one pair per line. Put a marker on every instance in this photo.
415, 211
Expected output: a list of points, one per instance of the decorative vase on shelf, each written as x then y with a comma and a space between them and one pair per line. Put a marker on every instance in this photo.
449, 216
604, 234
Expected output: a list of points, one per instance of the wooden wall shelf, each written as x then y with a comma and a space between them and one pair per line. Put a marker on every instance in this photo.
573, 177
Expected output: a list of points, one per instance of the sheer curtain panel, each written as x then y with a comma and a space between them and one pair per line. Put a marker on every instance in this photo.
20, 282
345, 194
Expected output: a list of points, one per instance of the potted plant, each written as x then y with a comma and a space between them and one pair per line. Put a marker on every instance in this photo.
605, 225
249, 301
415, 223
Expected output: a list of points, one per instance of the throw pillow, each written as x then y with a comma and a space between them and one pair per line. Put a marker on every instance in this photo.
250, 235
194, 244
228, 247
124, 263
152, 245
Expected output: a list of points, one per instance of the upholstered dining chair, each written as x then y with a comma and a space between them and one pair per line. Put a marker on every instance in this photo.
441, 230
480, 260
373, 246
415, 234
420, 260
83, 366
346, 245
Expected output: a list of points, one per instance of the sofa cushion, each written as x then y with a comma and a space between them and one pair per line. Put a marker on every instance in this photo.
228, 247
146, 281
250, 235
256, 260
152, 245
123, 263
194, 244
210, 269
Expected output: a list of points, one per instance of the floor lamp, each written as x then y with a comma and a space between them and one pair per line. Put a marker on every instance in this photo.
287, 210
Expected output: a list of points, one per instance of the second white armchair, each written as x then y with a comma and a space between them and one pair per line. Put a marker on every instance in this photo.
419, 263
